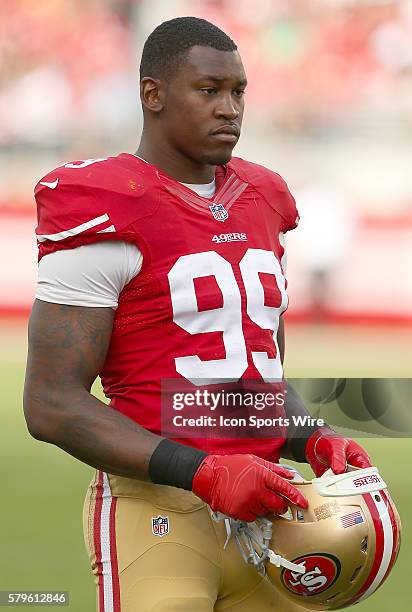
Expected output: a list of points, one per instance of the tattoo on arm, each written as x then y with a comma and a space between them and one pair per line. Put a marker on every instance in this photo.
67, 349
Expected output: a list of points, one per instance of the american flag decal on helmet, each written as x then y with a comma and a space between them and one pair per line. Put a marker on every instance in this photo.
355, 518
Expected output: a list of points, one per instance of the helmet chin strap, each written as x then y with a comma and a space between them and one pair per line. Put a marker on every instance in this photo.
253, 541
282, 562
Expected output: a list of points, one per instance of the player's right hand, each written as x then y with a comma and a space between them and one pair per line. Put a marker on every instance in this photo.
245, 487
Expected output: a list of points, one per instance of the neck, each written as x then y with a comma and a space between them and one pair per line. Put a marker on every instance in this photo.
172, 162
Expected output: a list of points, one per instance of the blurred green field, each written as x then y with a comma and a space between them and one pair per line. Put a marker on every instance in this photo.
41, 542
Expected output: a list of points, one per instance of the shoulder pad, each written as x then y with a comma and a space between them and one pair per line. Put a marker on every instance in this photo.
271, 186
94, 199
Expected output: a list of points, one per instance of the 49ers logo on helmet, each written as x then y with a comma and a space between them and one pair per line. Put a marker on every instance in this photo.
321, 572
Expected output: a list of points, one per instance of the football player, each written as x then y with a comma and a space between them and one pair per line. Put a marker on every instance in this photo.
169, 264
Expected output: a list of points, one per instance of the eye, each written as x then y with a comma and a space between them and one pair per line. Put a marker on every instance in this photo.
209, 90
239, 93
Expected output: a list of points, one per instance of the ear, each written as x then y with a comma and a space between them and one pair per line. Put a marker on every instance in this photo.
152, 94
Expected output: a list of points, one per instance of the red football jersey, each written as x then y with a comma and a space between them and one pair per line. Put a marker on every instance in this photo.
205, 306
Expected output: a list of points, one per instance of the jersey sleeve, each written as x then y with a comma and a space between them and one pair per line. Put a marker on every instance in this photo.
276, 192
68, 211
86, 202
92, 275
291, 213
273, 188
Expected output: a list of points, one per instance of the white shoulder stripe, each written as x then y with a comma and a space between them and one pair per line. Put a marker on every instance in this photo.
76, 230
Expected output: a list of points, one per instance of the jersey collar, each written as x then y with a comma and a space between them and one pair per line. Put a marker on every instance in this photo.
229, 188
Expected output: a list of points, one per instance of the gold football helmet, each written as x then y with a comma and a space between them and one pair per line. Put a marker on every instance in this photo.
334, 554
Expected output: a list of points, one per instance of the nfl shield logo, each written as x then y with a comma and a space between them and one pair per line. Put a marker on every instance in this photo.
219, 212
160, 525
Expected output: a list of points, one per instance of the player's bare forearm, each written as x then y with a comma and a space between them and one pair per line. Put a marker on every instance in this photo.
67, 348
106, 439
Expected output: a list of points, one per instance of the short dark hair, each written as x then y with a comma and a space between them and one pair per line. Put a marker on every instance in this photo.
173, 39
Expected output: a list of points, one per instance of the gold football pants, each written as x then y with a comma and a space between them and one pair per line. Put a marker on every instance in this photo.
154, 548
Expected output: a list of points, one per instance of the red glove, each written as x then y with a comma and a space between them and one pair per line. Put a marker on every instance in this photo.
245, 486
327, 449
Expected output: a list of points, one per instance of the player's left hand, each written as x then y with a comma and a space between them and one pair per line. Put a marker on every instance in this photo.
327, 449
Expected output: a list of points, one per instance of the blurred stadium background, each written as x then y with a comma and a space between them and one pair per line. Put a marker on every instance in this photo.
329, 106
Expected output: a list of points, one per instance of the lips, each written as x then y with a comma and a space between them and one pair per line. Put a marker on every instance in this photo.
233, 130
226, 133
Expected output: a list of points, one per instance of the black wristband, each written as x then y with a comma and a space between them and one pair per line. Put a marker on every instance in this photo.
175, 464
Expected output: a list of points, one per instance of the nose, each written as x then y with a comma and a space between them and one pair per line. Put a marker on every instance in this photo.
227, 108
